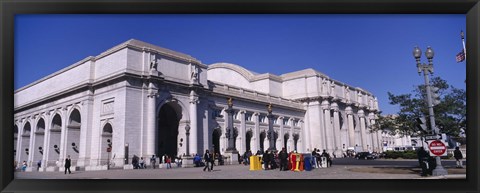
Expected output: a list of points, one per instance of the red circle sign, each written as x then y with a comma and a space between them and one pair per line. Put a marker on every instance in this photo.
437, 148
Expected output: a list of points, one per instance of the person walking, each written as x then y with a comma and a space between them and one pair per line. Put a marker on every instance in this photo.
168, 159
457, 154
153, 161
266, 161
212, 161
207, 157
283, 160
39, 164
24, 166
68, 163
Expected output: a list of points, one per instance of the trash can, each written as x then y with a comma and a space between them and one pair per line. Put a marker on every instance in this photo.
255, 163
308, 164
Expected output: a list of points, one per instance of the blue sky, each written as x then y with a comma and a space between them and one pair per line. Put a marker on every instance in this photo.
373, 52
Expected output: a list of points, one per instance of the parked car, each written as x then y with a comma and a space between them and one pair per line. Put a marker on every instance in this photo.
365, 155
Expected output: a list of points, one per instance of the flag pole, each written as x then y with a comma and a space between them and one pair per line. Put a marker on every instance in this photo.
463, 41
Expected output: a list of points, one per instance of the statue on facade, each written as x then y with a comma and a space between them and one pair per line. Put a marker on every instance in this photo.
153, 64
269, 108
230, 102
194, 74
347, 94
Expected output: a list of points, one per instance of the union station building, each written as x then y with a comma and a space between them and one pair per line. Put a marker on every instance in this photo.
140, 99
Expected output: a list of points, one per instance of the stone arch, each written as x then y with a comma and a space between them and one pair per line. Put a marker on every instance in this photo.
170, 136
15, 139
53, 154
38, 149
285, 140
217, 132
72, 141
25, 142
182, 112
263, 136
106, 141
248, 139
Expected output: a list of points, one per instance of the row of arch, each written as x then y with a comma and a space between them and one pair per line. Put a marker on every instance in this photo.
33, 144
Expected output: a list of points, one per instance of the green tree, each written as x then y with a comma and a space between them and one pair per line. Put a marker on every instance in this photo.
450, 113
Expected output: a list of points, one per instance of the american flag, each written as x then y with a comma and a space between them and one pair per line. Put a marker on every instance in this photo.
460, 56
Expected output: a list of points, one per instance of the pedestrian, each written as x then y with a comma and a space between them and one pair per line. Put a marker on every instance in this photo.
207, 159
163, 158
283, 160
212, 161
135, 162
197, 160
39, 164
168, 159
142, 163
457, 154
329, 159
68, 163
423, 161
314, 158
266, 161
24, 165
271, 158
153, 161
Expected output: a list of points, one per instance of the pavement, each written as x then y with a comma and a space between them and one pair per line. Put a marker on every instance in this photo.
243, 172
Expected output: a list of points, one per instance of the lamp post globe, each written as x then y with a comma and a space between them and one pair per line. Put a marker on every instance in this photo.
417, 53
429, 53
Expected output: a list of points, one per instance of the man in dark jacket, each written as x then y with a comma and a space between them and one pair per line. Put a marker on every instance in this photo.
68, 163
266, 160
208, 158
457, 154
283, 160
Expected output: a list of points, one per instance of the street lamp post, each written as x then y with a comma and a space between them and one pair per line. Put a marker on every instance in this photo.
427, 70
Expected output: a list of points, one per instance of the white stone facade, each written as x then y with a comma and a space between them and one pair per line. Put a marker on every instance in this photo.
133, 94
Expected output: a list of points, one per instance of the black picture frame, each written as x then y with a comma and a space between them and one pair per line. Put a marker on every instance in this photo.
8, 9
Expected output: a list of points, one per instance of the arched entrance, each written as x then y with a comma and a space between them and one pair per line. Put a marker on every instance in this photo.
25, 142
263, 135
167, 135
39, 139
216, 140
248, 140
107, 135
73, 136
15, 137
54, 145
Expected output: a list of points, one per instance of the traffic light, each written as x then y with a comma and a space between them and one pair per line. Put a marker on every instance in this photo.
434, 95
422, 124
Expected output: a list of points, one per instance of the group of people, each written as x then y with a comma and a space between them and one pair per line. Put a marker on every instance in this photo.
428, 163
139, 163
272, 159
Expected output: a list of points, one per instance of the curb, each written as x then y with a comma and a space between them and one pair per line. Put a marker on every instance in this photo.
452, 176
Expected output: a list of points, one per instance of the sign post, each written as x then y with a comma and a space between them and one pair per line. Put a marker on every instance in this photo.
437, 148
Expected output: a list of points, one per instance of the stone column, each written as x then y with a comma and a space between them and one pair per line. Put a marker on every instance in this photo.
380, 141
362, 129
351, 131
329, 138
151, 117
374, 133
336, 130
242, 133
63, 137
45, 147
193, 138
31, 145
281, 135
256, 134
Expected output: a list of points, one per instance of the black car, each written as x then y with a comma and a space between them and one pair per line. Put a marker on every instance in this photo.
365, 155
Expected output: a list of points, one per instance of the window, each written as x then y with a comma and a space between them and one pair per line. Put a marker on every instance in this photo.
285, 121
217, 113
248, 116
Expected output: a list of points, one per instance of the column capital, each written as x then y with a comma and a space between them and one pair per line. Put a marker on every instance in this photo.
255, 113
152, 94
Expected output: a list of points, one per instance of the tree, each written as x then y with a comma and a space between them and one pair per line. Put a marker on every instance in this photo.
450, 112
